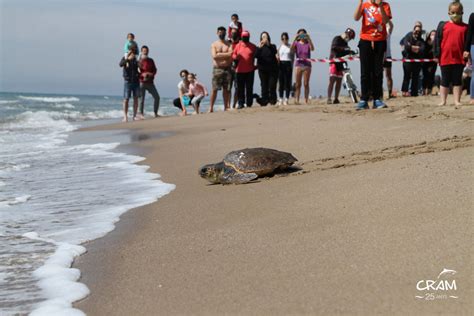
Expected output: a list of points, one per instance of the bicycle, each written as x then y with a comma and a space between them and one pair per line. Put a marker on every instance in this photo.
348, 82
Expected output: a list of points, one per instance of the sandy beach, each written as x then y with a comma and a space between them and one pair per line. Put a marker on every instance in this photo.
384, 199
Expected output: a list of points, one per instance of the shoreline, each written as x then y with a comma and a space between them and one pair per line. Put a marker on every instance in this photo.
293, 244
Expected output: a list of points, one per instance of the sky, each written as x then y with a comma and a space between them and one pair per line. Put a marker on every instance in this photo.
74, 47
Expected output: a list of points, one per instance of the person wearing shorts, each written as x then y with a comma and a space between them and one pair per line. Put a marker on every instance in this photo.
450, 42
131, 77
302, 47
221, 78
221, 53
339, 48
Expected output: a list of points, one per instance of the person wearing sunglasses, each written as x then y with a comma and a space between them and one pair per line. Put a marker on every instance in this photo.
414, 48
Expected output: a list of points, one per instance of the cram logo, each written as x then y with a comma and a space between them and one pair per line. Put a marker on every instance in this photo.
444, 287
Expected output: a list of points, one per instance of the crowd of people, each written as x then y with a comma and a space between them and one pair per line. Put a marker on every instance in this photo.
235, 60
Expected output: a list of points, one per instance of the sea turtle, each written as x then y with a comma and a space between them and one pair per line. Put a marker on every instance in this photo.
243, 166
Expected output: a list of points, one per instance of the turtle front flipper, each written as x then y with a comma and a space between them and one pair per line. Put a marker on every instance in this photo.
230, 176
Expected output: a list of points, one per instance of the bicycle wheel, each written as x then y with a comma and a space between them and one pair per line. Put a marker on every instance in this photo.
353, 94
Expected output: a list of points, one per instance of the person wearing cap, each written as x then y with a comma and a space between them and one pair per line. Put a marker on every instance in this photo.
339, 48
244, 58
375, 14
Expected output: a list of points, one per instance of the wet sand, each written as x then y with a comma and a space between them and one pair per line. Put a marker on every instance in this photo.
384, 199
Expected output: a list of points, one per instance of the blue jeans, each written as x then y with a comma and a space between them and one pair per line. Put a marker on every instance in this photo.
472, 81
130, 88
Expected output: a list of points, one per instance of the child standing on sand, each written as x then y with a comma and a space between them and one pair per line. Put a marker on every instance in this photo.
198, 90
129, 44
449, 49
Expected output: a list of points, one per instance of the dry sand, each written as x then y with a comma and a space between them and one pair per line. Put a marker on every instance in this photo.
385, 199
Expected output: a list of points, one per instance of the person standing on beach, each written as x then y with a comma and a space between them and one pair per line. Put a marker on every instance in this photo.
285, 59
267, 64
235, 97
184, 97
302, 47
469, 49
449, 49
414, 49
375, 14
244, 57
429, 68
131, 76
197, 90
387, 65
409, 35
339, 48
147, 75
221, 52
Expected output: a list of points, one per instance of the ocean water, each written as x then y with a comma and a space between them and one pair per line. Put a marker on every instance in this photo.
55, 195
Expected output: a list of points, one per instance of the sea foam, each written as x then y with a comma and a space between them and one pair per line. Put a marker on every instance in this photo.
50, 99
55, 197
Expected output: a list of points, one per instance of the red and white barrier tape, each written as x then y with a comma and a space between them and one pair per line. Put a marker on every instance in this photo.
340, 60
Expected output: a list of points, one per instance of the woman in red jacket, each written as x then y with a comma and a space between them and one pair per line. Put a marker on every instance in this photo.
244, 56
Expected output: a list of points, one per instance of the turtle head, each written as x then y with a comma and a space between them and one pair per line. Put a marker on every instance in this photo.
212, 172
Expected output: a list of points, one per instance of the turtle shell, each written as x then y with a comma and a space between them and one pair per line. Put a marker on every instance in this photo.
261, 161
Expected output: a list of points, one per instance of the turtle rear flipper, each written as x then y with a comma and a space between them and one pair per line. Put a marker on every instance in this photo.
230, 176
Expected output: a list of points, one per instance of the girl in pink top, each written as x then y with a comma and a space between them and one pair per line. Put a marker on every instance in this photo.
197, 90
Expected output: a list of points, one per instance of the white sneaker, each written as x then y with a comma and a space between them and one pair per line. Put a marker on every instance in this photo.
285, 102
279, 102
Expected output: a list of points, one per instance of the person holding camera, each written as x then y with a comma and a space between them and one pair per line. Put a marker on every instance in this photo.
267, 64
147, 75
131, 75
302, 48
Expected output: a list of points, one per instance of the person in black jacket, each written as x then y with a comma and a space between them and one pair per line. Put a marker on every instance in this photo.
414, 48
267, 64
131, 75
469, 49
429, 68
339, 48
